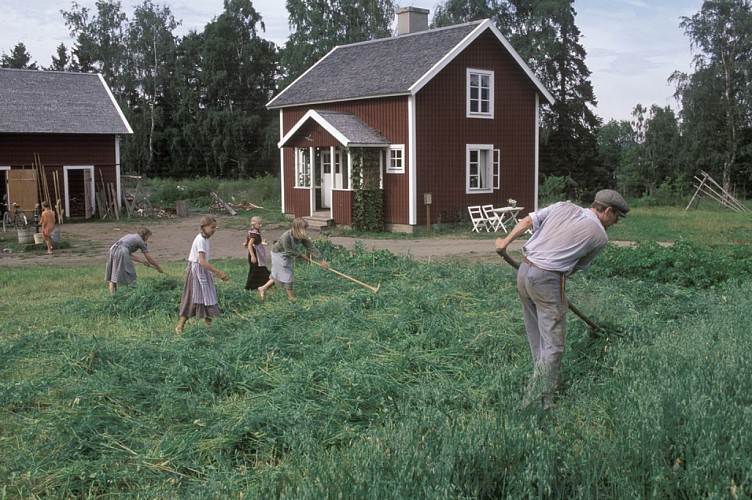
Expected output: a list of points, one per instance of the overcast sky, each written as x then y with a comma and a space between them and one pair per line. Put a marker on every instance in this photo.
632, 46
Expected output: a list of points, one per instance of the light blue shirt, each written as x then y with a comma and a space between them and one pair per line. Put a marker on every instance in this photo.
566, 238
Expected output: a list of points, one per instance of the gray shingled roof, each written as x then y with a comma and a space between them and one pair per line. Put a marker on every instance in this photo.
388, 66
53, 102
352, 128
347, 128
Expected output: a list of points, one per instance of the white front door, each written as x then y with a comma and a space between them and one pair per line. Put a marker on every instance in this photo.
326, 178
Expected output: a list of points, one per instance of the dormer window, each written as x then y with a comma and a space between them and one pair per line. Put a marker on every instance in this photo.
480, 93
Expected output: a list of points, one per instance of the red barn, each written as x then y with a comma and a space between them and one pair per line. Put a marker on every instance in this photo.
447, 116
68, 122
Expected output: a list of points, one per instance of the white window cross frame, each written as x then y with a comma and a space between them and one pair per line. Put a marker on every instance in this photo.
480, 93
396, 160
482, 168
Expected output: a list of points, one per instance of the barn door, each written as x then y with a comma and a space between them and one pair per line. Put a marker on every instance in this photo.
22, 189
88, 209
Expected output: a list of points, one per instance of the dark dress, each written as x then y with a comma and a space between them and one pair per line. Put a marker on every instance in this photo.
258, 274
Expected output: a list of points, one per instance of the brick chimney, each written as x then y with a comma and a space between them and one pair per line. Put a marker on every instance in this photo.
411, 20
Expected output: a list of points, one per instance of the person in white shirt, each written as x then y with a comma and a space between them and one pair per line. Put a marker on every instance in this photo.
199, 293
566, 238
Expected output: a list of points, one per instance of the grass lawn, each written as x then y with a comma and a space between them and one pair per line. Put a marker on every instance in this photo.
412, 392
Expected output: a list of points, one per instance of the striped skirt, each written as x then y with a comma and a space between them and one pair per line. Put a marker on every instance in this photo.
199, 293
120, 268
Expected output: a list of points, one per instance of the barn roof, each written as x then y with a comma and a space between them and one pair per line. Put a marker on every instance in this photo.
392, 66
57, 102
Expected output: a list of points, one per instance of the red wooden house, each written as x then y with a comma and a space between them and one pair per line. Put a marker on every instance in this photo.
446, 116
67, 122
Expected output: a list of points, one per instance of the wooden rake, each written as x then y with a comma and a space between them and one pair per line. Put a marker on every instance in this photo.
372, 288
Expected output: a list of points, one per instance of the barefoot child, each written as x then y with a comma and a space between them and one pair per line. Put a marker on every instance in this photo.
47, 221
283, 252
120, 269
258, 274
199, 293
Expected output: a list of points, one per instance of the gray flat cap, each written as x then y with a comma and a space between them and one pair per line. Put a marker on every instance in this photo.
611, 198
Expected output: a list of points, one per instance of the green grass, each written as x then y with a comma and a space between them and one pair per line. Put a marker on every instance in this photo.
413, 392
670, 224
663, 224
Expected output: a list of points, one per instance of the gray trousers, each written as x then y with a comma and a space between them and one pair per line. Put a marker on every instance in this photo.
544, 307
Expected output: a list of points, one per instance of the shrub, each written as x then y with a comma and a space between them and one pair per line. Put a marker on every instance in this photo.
683, 263
552, 190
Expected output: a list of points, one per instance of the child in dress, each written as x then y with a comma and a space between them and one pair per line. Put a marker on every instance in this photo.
283, 252
258, 274
199, 293
120, 269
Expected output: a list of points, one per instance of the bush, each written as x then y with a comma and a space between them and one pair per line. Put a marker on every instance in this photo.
553, 189
683, 263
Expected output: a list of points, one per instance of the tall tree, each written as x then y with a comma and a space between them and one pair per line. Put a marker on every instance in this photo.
717, 98
184, 138
61, 61
549, 39
462, 11
616, 146
148, 80
19, 58
237, 80
655, 157
318, 26
100, 41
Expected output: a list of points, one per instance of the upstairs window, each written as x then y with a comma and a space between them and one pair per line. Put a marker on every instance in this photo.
396, 160
480, 91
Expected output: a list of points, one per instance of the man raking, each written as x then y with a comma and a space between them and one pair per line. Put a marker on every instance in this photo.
566, 238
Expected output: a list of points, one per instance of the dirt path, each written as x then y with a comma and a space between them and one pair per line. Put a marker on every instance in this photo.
171, 241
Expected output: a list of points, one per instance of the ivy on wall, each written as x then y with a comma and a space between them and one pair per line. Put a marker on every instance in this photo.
368, 206
368, 210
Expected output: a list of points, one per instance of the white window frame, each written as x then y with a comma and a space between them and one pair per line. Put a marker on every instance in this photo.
479, 168
302, 168
396, 160
478, 82
497, 169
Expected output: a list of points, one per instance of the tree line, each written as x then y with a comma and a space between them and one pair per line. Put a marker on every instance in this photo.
197, 102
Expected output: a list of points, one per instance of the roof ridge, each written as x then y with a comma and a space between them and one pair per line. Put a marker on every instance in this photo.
429, 31
51, 71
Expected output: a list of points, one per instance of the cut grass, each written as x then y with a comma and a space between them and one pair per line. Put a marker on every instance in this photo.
413, 392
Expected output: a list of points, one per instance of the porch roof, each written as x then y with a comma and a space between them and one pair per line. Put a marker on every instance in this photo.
346, 128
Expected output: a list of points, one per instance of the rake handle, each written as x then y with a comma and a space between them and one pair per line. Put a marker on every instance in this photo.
504, 255
372, 288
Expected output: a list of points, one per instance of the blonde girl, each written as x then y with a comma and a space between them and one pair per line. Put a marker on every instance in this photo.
258, 274
283, 252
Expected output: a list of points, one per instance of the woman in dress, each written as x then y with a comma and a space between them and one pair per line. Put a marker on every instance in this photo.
120, 268
199, 293
258, 274
283, 251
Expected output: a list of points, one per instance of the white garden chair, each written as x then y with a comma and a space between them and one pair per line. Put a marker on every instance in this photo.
478, 219
492, 218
